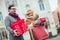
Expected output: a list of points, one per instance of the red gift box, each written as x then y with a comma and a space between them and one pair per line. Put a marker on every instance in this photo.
19, 26
39, 33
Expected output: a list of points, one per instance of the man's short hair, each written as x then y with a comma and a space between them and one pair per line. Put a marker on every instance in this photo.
10, 6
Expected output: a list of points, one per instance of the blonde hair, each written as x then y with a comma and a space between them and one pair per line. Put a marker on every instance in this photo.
30, 9
35, 16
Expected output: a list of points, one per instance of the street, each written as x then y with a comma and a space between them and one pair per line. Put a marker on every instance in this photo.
55, 38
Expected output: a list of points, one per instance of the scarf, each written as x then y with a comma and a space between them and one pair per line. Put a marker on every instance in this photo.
14, 15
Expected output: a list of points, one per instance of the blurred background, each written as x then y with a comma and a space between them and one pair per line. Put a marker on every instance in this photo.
50, 9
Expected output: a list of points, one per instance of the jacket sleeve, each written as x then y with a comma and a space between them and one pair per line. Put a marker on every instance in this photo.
7, 24
37, 22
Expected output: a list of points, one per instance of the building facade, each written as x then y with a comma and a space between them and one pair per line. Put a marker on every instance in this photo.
41, 7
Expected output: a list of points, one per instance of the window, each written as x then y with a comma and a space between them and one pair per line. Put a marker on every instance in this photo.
41, 5
27, 6
1, 18
11, 2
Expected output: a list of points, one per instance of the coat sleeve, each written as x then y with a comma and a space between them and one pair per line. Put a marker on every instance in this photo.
37, 22
7, 24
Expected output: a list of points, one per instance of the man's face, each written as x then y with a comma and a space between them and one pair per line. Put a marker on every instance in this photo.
12, 10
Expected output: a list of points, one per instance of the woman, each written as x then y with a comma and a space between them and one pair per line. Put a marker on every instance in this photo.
33, 21
30, 18
12, 17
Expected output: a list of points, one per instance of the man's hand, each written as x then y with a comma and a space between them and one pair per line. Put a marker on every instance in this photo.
15, 33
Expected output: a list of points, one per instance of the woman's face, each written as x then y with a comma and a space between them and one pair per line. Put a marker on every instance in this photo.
29, 12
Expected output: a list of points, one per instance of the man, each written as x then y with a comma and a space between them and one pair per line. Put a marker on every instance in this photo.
12, 17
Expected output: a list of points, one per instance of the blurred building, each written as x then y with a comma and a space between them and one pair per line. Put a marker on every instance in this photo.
41, 7
59, 3
56, 13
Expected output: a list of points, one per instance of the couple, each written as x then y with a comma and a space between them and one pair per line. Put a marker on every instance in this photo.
12, 17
